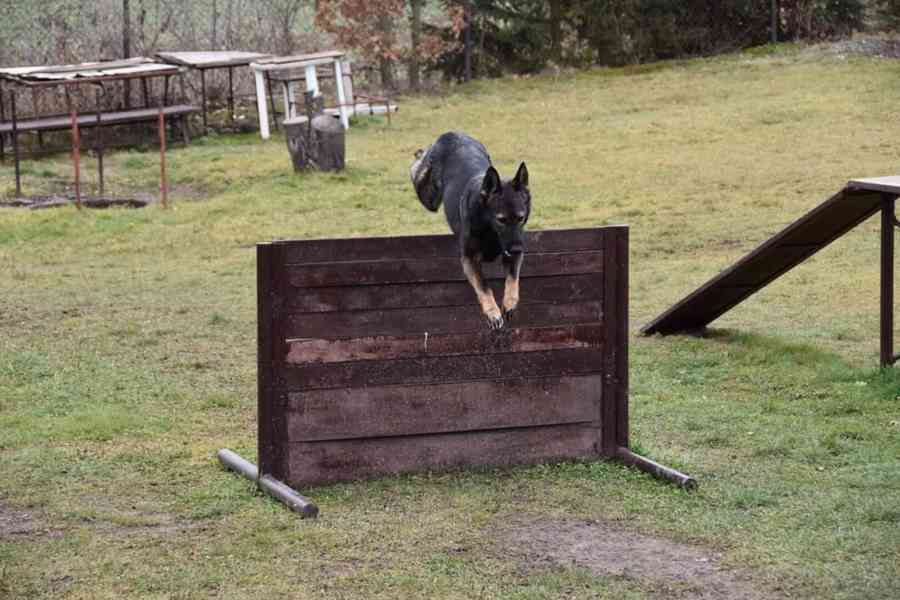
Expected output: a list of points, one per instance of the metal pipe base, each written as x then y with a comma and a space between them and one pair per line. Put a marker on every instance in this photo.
273, 487
657, 470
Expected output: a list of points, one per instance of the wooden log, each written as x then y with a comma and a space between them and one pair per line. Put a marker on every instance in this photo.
315, 141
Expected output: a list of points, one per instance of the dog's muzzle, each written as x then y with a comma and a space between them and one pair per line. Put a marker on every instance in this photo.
513, 250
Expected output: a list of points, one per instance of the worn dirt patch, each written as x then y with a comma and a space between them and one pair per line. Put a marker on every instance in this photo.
667, 569
22, 525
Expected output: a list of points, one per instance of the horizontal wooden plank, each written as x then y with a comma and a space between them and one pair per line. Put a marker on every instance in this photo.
437, 320
119, 117
432, 246
407, 410
441, 369
380, 272
565, 288
444, 344
316, 463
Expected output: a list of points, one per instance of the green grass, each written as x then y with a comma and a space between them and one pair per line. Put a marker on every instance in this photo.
128, 349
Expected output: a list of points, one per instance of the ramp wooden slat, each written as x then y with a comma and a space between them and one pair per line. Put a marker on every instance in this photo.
859, 200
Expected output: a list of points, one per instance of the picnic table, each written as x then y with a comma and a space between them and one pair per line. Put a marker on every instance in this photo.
288, 69
214, 59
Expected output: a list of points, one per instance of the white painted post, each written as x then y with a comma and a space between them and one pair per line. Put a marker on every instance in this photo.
286, 93
312, 82
339, 83
261, 102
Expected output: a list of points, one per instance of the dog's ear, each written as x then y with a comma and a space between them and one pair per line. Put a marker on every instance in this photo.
490, 184
521, 179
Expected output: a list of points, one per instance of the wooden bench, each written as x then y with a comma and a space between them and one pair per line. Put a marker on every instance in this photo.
178, 113
374, 358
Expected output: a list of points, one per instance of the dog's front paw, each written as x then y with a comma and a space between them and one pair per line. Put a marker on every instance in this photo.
509, 315
494, 319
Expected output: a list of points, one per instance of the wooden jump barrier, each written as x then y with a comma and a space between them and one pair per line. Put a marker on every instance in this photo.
374, 358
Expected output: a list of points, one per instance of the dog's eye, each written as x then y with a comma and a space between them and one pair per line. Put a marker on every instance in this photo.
501, 219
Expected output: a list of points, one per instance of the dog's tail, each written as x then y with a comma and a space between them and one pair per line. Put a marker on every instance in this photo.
423, 180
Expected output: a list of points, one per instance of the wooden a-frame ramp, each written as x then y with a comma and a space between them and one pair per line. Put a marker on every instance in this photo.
859, 200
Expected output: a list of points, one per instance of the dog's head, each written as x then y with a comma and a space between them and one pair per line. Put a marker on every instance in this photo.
506, 206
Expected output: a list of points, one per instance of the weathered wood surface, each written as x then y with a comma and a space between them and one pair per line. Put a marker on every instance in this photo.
375, 358
120, 117
318, 463
383, 411
536, 290
319, 350
211, 59
298, 252
436, 270
437, 320
315, 141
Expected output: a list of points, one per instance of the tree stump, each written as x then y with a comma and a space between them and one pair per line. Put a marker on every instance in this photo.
315, 141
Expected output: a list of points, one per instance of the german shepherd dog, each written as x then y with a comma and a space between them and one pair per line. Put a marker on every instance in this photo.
487, 215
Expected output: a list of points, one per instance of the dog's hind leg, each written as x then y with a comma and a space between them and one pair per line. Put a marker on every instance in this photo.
511, 287
420, 172
472, 269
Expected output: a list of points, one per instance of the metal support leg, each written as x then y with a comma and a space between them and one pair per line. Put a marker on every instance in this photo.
888, 223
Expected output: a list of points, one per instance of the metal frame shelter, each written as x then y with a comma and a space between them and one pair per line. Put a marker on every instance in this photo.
856, 202
92, 73
215, 59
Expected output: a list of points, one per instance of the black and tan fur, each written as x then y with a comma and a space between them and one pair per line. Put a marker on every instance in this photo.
487, 215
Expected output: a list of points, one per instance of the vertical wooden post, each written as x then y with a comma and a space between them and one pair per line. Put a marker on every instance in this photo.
76, 148
15, 142
614, 397
203, 98
272, 434
2, 118
887, 280
231, 94
99, 148
162, 159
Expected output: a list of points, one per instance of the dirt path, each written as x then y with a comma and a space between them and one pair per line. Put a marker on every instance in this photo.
667, 569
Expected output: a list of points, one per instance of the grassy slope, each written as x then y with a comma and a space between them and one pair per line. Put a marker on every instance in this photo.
127, 350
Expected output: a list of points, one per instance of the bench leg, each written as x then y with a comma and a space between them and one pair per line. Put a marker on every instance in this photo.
2, 148
185, 129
